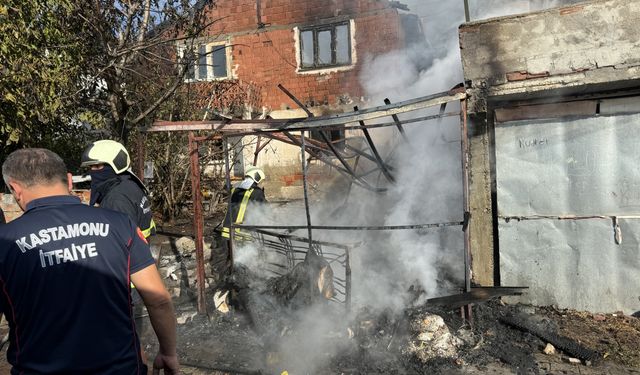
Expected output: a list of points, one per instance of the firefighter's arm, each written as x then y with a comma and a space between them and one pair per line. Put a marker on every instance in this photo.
162, 315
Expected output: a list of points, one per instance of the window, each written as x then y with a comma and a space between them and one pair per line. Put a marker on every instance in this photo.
325, 46
209, 62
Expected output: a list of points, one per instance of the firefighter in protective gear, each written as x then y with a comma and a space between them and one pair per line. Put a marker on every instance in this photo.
246, 191
114, 186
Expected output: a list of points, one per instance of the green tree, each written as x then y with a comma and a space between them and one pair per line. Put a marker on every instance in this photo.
40, 59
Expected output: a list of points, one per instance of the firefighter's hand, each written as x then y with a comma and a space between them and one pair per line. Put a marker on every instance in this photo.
166, 362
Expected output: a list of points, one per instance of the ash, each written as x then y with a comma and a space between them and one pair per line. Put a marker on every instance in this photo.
281, 324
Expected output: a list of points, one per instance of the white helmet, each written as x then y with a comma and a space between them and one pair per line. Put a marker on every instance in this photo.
107, 152
256, 174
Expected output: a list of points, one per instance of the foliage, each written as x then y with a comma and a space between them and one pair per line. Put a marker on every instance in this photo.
40, 57
65, 63
69, 67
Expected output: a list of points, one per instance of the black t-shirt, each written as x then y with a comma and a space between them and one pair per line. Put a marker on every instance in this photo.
64, 270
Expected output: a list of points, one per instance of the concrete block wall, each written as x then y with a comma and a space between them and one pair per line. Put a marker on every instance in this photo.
558, 48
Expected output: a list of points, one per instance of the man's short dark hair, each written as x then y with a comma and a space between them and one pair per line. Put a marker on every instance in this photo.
34, 166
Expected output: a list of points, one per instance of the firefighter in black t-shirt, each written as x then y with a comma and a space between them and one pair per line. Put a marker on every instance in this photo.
65, 270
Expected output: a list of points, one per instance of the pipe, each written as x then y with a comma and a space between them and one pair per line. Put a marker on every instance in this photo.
227, 166
304, 189
198, 221
467, 18
396, 120
374, 150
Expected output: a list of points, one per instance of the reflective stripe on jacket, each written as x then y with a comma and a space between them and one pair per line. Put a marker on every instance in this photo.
239, 219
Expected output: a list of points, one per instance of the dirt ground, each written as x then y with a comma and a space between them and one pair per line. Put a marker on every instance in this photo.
228, 344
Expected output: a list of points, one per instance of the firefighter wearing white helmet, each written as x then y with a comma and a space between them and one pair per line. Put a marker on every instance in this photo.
246, 191
241, 195
113, 184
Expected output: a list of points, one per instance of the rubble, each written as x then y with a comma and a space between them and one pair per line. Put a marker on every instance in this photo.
549, 349
185, 246
431, 339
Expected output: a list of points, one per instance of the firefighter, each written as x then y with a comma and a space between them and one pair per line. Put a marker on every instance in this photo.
114, 186
246, 191
65, 270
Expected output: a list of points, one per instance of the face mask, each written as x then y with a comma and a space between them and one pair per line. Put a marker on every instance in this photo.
98, 177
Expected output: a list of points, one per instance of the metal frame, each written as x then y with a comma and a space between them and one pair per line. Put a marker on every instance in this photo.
281, 130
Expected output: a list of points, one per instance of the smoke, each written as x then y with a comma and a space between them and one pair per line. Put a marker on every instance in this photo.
386, 265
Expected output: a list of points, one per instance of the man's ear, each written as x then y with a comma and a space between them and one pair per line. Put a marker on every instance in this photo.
17, 190
15, 187
70, 181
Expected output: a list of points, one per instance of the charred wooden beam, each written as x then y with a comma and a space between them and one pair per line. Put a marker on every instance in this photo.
476, 295
569, 346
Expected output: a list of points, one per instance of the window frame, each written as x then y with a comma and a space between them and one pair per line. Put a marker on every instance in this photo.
209, 63
316, 29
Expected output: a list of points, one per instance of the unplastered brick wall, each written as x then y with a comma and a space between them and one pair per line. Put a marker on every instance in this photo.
269, 55
234, 16
12, 210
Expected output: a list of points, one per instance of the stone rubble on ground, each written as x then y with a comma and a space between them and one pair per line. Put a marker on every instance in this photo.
549, 349
431, 338
220, 301
186, 316
185, 246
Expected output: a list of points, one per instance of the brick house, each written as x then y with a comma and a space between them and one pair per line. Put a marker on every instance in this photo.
315, 48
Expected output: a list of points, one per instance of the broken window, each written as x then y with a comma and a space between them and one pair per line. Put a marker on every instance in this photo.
325, 46
208, 62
